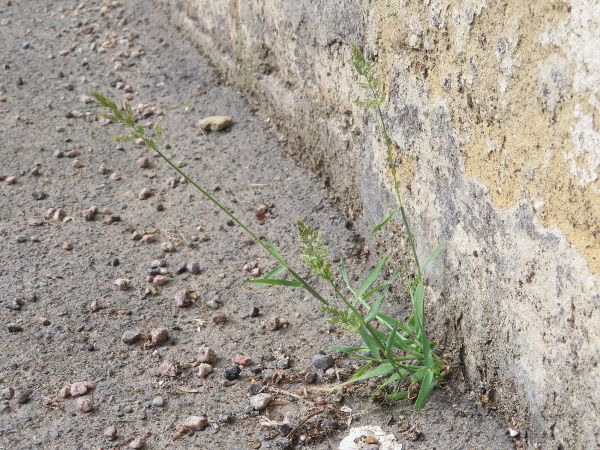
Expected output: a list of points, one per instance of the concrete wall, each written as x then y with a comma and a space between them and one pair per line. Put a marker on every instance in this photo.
494, 114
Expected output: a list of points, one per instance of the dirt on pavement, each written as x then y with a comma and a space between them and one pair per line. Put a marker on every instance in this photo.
84, 287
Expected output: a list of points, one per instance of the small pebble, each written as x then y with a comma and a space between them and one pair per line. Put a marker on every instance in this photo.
144, 162
110, 433
103, 170
206, 355
38, 195
247, 240
45, 322
94, 306
136, 236
160, 279
78, 388
149, 238
193, 267
214, 304
242, 360
73, 154
248, 267
67, 246
130, 337
35, 171
77, 164
273, 323
310, 377
144, 194
158, 401
122, 284
35, 222
8, 393
167, 247
157, 263
260, 401
15, 328
196, 423
58, 154
21, 396
232, 373
159, 335
204, 369
182, 299
225, 418
59, 214
219, 319
114, 176
65, 392
138, 442
322, 362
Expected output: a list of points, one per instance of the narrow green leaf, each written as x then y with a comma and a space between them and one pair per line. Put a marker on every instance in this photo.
381, 286
418, 375
417, 298
376, 307
277, 282
369, 342
344, 271
391, 338
397, 396
382, 369
372, 276
272, 247
426, 387
273, 273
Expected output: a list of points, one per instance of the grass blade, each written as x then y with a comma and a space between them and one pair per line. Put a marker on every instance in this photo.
391, 338
417, 297
426, 388
387, 219
381, 286
277, 282
372, 276
370, 342
374, 310
397, 396
380, 370
273, 273
344, 271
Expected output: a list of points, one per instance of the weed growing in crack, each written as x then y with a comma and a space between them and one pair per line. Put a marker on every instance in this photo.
400, 352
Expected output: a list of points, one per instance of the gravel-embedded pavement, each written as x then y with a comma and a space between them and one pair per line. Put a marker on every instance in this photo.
106, 254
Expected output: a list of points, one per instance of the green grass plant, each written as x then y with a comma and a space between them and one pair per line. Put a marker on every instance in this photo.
398, 353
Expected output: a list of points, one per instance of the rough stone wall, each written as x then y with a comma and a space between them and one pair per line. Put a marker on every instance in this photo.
494, 114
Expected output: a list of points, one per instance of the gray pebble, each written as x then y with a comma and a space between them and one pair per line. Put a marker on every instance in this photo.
322, 362
130, 337
26, 45
54, 434
156, 263
310, 377
14, 327
38, 195
283, 363
21, 396
193, 267
158, 401
58, 154
128, 409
